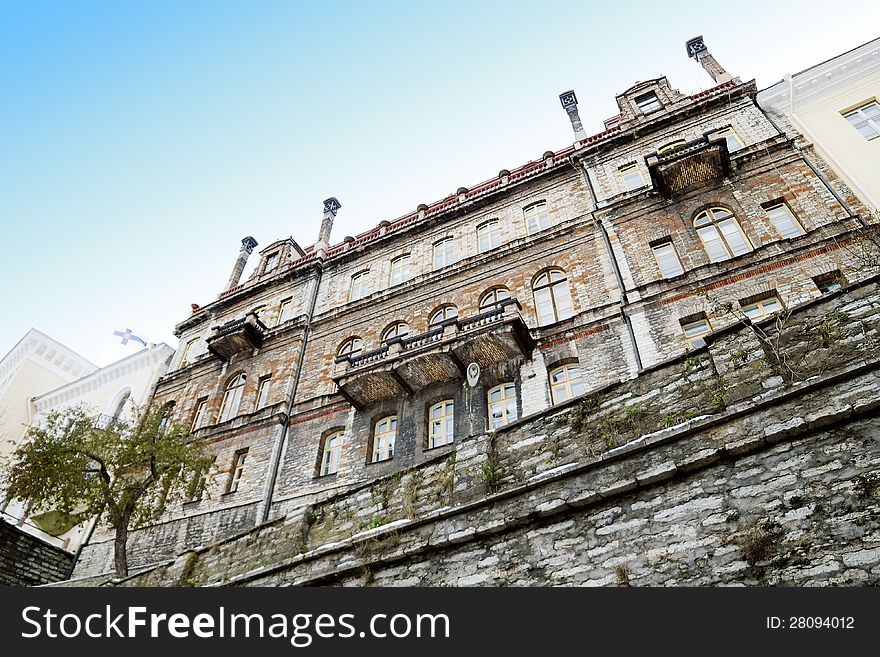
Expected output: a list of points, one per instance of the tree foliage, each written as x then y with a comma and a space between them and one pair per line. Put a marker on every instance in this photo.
129, 468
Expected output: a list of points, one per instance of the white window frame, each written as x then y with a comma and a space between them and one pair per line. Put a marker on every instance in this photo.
492, 298
237, 470
666, 257
271, 262
858, 118
762, 308
442, 313
569, 382
384, 437
722, 236
443, 253
553, 301
537, 217
396, 330
263, 391
488, 235
358, 287
351, 347
632, 176
731, 136
330, 452
441, 424
400, 270
232, 398
696, 331
200, 414
648, 102
783, 220
502, 410
284, 311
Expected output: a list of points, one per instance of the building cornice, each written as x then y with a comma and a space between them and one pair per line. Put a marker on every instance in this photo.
45, 352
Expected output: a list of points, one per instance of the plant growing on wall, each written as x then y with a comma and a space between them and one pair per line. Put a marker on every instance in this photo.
129, 469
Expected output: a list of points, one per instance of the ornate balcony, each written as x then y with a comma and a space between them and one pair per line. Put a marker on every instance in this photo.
406, 365
692, 163
237, 336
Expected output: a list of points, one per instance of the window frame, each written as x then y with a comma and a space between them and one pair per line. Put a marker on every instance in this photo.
284, 311
200, 414
493, 226
628, 172
507, 396
395, 326
444, 424
272, 262
389, 438
238, 462
728, 132
227, 401
566, 383
716, 223
648, 103
400, 270
772, 207
331, 452
760, 305
349, 348
446, 248
539, 212
264, 387
493, 292
872, 122
696, 340
551, 287
662, 244
443, 310
358, 282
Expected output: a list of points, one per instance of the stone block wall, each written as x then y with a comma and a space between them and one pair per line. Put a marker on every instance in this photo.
25, 560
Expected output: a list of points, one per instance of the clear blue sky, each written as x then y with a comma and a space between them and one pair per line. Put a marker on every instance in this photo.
140, 141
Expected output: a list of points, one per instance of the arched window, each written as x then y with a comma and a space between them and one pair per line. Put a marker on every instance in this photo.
384, 435
120, 405
537, 217
330, 452
566, 382
396, 330
232, 397
721, 234
493, 297
502, 405
671, 146
444, 252
358, 288
441, 424
400, 270
488, 235
552, 298
442, 314
351, 347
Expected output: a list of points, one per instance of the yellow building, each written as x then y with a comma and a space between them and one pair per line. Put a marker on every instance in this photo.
836, 106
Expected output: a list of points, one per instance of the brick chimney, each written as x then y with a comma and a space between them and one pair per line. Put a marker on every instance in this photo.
696, 49
331, 207
247, 247
570, 104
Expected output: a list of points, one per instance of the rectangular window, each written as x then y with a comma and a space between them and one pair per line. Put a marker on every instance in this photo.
667, 259
184, 357
440, 424
648, 103
537, 217
444, 253
237, 469
285, 311
330, 456
694, 332
866, 119
631, 176
358, 289
830, 282
400, 270
384, 437
734, 143
783, 220
762, 308
271, 262
201, 411
502, 405
263, 392
488, 236
197, 488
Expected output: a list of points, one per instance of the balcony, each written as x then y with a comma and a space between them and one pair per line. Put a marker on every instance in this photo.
406, 365
690, 164
238, 336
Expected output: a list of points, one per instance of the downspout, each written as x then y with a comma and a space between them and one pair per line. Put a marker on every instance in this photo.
614, 265
279, 444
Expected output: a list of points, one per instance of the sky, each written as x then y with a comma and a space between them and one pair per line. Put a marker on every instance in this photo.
140, 141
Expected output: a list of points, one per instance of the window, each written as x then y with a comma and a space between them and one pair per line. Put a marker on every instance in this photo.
631, 176
667, 259
734, 143
566, 382
167, 415
830, 282
762, 308
866, 119
197, 487
258, 311
488, 236
263, 391
396, 330
552, 297
783, 220
444, 253
237, 470
199, 415
648, 103
493, 297
440, 424
384, 436
400, 270
330, 453
502, 405
668, 148
285, 311
351, 347
232, 398
721, 234
271, 262
358, 288
537, 217
442, 314
186, 349
695, 331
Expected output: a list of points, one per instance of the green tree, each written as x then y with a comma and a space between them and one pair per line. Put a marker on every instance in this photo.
130, 469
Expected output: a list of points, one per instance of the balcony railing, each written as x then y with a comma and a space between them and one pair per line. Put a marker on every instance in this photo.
690, 164
239, 335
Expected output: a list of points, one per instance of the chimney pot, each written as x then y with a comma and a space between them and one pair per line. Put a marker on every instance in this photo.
569, 104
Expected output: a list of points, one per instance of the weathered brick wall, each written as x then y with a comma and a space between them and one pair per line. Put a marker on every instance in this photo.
25, 560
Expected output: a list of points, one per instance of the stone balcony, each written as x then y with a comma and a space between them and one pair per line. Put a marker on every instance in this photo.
690, 164
237, 336
406, 365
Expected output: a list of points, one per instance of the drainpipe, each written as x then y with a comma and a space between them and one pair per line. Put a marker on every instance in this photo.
614, 265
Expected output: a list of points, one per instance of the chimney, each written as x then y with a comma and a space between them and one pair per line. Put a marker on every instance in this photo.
696, 49
570, 104
331, 207
247, 247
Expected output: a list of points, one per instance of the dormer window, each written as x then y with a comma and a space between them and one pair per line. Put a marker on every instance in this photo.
648, 103
271, 262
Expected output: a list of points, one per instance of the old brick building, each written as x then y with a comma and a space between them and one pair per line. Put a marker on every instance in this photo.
337, 365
